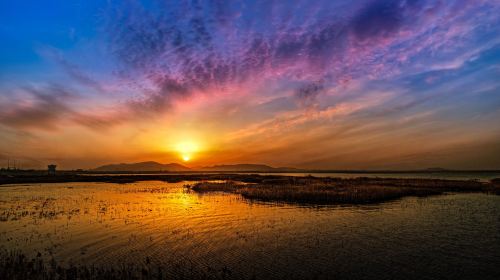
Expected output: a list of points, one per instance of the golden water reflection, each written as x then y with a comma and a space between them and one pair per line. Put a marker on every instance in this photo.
107, 224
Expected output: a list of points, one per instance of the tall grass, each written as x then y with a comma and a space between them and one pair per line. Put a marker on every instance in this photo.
494, 188
15, 265
337, 191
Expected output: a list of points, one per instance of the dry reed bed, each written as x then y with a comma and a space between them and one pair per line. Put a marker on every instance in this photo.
339, 191
494, 188
15, 265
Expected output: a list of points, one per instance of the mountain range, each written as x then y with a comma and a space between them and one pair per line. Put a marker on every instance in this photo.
143, 166
153, 166
248, 167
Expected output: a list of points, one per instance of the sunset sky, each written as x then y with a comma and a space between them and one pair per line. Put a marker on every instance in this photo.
310, 84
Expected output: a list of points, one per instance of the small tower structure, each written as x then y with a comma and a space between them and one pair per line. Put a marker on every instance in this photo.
51, 169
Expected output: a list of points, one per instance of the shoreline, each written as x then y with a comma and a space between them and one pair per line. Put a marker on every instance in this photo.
247, 177
288, 189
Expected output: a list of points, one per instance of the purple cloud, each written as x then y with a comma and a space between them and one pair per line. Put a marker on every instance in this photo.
182, 49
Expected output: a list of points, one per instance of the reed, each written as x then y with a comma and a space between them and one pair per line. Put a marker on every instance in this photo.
16, 265
313, 190
494, 188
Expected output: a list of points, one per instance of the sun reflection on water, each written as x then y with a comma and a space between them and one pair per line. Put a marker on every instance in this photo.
112, 224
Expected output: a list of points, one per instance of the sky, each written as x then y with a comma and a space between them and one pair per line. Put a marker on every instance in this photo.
366, 84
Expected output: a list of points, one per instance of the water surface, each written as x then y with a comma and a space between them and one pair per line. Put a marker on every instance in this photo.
445, 175
455, 236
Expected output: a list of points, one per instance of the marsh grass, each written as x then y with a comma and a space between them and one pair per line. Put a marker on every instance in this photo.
339, 191
494, 188
31, 178
226, 186
15, 265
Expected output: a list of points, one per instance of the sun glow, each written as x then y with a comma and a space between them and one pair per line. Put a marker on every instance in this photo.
187, 149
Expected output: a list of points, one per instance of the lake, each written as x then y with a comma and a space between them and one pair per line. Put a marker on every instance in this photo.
454, 236
462, 175
445, 175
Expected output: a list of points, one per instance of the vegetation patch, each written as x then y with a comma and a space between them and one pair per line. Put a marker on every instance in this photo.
16, 265
312, 190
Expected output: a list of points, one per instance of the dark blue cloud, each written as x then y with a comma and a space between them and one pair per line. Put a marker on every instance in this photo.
378, 19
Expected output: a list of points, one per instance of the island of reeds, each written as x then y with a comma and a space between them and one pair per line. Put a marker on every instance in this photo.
312, 190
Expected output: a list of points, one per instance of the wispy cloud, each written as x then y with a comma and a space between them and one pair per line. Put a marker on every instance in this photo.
184, 49
71, 69
42, 109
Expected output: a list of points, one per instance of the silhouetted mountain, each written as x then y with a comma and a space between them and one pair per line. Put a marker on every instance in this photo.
436, 169
143, 166
248, 167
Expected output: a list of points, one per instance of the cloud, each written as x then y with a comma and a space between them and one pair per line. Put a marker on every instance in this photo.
97, 122
43, 110
306, 96
49, 108
296, 121
157, 101
182, 50
217, 50
378, 19
78, 75
71, 69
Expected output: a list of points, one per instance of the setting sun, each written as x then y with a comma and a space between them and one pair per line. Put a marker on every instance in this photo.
187, 149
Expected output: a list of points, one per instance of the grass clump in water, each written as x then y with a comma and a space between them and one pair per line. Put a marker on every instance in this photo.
313, 190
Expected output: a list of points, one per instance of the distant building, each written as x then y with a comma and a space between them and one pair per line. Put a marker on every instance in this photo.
51, 169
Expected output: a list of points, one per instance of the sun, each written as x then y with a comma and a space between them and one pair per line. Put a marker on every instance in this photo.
186, 149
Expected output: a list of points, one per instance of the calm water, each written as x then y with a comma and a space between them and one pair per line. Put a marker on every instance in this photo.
462, 175
454, 236
482, 176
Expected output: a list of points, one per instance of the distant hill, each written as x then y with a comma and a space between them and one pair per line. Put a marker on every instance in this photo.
143, 166
248, 167
175, 167
436, 169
